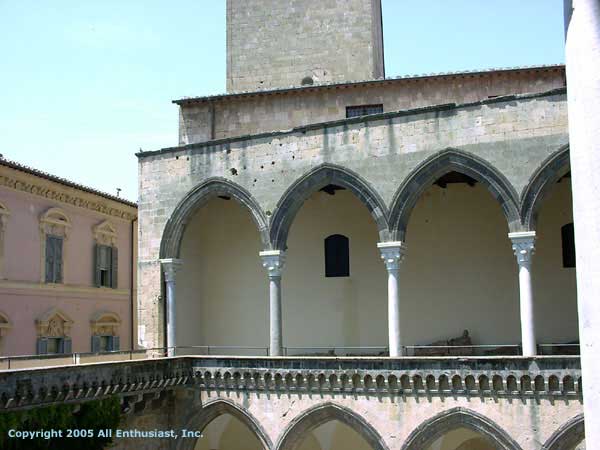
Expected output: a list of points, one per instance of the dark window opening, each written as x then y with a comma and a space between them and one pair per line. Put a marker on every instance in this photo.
337, 256
568, 245
54, 262
455, 177
331, 188
307, 81
363, 110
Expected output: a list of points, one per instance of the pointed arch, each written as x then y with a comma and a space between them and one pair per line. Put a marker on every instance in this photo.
173, 233
317, 178
540, 184
211, 410
568, 435
449, 160
323, 413
437, 426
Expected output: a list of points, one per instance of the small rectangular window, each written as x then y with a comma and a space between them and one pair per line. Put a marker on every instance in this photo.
105, 343
363, 110
568, 245
54, 346
337, 256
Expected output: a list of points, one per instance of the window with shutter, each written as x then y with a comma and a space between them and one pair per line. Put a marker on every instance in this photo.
54, 261
105, 266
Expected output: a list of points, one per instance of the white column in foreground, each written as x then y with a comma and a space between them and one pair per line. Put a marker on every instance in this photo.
523, 245
583, 84
273, 261
392, 254
170, 267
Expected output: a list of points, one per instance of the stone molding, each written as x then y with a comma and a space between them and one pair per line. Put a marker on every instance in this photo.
105, 323
53, 323
105, 233
65, 289
426, 433
5, 324
273, 261
568, 436
55, 222
523, 245
4, 215
170, 266
393, 254
46, 190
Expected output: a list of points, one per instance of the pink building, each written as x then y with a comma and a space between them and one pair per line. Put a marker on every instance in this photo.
67, 258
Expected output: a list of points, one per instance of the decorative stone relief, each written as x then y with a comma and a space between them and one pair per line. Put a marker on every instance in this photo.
5, 324
105, 323
273, 261
392, 253
54, 323
105, 234
523, 244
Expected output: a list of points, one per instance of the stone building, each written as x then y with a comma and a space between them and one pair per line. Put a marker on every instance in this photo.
321, 210
67, 258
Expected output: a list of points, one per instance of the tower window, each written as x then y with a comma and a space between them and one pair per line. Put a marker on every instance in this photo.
568, 245
363, 110
337, 256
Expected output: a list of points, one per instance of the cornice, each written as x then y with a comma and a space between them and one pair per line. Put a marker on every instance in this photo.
46, 189
63, 289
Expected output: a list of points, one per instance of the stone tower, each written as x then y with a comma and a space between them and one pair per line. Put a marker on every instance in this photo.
281, 43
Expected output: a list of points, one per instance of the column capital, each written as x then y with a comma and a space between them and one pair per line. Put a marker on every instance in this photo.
392, 254
523, 244
170, 267
273, 261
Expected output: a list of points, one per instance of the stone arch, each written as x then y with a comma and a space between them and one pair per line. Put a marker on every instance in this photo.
320, 414
319, 177
567, 436
426, 173
211, 410
433, 428
174, 229
540, 184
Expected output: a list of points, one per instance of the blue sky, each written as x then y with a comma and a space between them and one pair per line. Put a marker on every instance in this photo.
86, 84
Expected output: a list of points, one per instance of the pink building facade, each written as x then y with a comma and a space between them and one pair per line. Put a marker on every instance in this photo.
67, 255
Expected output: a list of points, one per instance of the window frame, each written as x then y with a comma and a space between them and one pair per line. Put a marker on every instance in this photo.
337, 256
365, 110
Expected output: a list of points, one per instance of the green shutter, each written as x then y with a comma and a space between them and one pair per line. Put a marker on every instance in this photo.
58, 260
42, 346
49, 259
115, 344
114, 267
97, 258
95, 344
67, 345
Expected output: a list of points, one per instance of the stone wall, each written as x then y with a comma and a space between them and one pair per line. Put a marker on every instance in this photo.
272, 44
219, 117
502, 142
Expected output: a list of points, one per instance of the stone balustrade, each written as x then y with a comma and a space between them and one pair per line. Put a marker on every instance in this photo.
138, 382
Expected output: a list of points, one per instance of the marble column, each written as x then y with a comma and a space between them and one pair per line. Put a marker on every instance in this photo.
523, 245
273, 261
392, 254
170, 267
582, 21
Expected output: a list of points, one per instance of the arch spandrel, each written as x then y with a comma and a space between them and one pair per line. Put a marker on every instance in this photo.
213, 409
295, 196
435, 427
568, 435
434, 167
194, 200
317, 415
540, 184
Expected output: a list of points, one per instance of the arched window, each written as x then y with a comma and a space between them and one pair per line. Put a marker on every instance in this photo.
337, 256
568, 245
